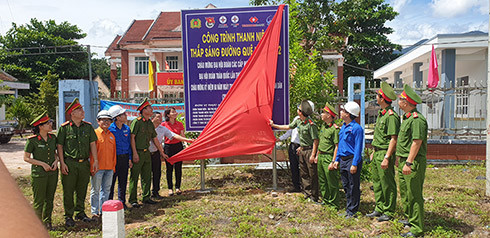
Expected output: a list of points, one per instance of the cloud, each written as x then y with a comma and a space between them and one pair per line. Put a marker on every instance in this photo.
452, 8
399, 4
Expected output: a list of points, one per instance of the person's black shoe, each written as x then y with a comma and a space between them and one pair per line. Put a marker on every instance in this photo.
384, 218
408, 234
49, 226
125, 206
294, 190
374, 214
149, 201
83, 218
135, 205
156, 196
404, 222
69, 222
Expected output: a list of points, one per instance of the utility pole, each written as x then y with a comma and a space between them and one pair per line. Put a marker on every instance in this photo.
488, 115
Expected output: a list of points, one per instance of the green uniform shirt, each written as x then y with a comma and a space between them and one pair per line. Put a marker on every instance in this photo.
414, 127
387, 125
144, 131
76, 140
43, 151
329, 136
307, 130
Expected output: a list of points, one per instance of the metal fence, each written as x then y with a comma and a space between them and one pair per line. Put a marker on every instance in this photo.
457, 113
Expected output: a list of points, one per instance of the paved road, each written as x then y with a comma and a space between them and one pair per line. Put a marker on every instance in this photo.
12, 155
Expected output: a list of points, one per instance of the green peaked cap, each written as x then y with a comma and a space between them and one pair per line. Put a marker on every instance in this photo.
306, 108
411, 94
327, 105
144, 104
42, 118
388, 91
74, 105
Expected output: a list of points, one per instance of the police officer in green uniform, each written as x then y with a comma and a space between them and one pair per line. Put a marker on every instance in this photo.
384, 143
411, 150
76, 141
308, 140
142, 131
44, 170
328, 177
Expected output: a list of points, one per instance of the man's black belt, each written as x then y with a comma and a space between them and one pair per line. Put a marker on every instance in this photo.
344, 158
122, 156
154, 152
294, 143
141, 150
378, 149
306, 147
78, 160
321, 152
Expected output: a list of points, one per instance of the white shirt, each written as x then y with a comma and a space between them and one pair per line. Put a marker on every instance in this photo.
291, 132
162, 132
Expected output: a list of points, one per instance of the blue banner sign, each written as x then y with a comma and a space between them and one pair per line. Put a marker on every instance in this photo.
131, 108
216, 46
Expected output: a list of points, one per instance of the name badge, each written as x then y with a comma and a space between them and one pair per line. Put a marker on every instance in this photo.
41, 146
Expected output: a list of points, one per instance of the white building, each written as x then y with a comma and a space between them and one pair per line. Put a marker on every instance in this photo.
459, 102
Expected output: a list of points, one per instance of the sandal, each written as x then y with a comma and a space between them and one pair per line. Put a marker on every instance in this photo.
178, 191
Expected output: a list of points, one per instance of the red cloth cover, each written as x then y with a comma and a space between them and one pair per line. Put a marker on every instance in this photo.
240, 125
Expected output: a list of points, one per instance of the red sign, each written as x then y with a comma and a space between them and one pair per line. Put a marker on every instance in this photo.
170, 79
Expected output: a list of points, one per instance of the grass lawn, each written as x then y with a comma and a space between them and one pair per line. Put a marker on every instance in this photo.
241, 205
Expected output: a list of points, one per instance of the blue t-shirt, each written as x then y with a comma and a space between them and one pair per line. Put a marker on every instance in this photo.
351, 137
123, 139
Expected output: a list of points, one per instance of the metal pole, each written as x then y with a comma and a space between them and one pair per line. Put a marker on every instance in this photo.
203, 187
89, 63
488, 116
274, 167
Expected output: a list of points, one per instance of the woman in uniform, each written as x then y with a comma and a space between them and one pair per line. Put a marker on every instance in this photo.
40, 151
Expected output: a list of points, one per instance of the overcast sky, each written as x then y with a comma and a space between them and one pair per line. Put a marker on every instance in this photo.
103, 19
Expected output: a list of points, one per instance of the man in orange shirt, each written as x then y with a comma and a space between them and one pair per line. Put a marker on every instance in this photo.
106, 154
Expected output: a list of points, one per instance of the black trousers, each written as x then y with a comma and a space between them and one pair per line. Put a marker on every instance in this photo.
352, 185
156, 172
121, 174
294, 165
171, 150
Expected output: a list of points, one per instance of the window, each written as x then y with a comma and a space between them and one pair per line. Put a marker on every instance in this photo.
173, 62
141, 95
462, 96
141, 65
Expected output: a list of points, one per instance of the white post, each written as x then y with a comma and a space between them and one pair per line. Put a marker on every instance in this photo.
113, 219
274, 166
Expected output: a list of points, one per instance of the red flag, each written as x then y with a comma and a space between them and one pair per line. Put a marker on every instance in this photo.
433, 79
240, 125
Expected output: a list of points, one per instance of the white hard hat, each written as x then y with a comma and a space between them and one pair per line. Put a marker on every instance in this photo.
104, 114
352, 108
116, 110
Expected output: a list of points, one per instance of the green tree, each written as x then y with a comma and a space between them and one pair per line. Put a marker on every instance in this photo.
47, 98
28, 65
363, 22
21, 111
101, 67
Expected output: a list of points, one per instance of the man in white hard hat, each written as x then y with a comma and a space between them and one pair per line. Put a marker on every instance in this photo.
122, 133
349, 156
308, 140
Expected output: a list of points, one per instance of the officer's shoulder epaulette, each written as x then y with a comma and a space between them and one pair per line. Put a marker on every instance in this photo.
391, 112
415, 115
335, 125
139, 118
33, 136
87, 122
65, 123
311, 122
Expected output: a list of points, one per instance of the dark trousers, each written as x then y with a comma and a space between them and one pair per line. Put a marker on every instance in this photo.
309, 175
294, 165
121, 174
171, 150
156, 171
352, 185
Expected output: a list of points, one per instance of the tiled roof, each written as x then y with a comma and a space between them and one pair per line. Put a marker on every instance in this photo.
7, 77
113, 46
167, 25
135, 32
